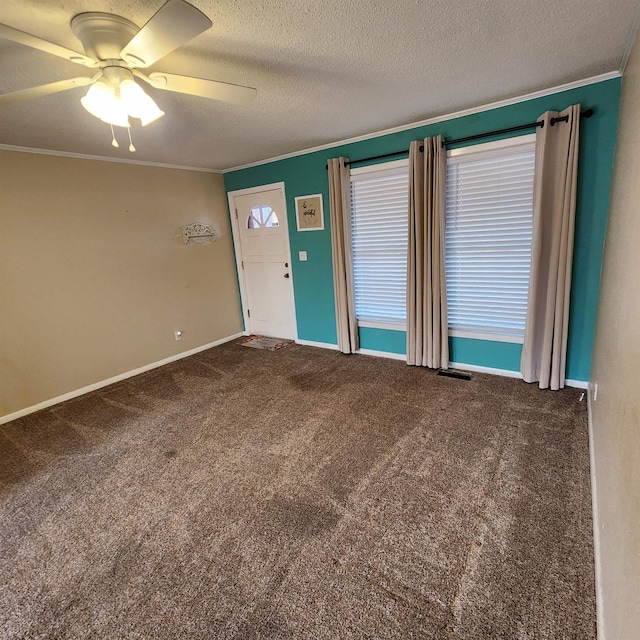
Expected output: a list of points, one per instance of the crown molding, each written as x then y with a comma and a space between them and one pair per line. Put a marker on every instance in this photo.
630, 40
367, 136
84, 156
441, 118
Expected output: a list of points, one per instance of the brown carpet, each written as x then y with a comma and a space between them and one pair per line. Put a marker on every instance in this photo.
243, 493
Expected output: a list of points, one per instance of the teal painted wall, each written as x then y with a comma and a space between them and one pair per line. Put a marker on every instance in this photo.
313, 281
383, 340
501, 355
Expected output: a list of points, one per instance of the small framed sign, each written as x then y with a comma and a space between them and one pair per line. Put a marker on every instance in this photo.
309, 215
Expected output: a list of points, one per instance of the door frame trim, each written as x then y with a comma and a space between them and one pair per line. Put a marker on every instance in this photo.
237, 247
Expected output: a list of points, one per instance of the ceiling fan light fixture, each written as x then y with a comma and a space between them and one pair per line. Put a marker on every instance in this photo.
151, 116
138, 104
116, 48
102, 102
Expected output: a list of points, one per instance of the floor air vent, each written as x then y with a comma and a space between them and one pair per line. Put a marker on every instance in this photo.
451, 373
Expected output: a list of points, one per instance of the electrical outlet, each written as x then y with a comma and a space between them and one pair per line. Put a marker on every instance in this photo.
302, 255
178, 335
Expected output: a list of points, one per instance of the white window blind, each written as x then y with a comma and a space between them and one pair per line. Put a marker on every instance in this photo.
488, 236
379, 228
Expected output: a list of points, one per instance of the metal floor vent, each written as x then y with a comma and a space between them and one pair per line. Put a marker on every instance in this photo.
452, 373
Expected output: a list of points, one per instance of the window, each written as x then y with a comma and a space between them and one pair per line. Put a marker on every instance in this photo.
488, 238
489, 201
379, 205
262, 216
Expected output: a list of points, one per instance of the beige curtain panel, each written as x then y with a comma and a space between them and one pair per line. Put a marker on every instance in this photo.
340, 206
427, 327
544, 351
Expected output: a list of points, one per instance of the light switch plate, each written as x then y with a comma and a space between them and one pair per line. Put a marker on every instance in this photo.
302, 255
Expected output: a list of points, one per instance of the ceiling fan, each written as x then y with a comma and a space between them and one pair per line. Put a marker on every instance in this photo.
118, 49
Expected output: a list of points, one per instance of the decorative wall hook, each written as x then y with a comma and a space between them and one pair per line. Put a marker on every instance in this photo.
198, 233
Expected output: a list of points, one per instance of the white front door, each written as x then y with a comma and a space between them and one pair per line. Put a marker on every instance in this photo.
265, 264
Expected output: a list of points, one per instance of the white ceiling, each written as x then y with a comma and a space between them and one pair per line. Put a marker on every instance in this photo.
325, 70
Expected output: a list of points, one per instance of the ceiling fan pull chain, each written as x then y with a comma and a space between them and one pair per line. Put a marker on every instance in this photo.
131, 147
114, 142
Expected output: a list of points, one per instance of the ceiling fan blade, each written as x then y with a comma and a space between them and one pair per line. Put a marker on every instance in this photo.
44, 90
174, 24
9, 33
211, 89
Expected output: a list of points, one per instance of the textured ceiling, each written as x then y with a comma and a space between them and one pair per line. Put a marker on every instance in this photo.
324, 70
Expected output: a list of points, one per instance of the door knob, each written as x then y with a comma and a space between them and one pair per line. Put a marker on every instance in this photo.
286, 275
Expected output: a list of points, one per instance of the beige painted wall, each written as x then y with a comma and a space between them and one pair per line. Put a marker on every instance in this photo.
616, 370
95, 277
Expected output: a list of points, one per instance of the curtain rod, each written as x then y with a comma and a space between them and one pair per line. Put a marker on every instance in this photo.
445, 143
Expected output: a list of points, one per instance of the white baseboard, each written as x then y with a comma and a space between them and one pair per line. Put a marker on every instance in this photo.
105, 383
321, 345
577, 384
507, 373
382, 354
596, 524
